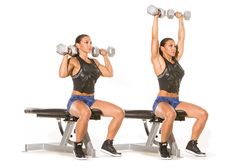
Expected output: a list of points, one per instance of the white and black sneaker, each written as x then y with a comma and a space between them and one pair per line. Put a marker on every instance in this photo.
163, 151
193, 149
108, 148
78, 151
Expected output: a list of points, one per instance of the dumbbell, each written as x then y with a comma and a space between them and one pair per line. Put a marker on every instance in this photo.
110, 50
63, 49
171, 13
152, 10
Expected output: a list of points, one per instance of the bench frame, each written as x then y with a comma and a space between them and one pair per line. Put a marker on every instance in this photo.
66, 145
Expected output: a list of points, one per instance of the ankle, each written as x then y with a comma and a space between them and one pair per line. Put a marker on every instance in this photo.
163, 143
163, 150
78, 143
193, 141
109, 141
163, 146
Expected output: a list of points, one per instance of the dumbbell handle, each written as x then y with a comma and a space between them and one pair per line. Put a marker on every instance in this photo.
171, 13
110, 50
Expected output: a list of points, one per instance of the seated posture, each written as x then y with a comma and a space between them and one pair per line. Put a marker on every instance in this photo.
84, 72
165, 57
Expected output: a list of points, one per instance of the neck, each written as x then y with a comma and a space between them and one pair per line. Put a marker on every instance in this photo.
169, 58
83, 55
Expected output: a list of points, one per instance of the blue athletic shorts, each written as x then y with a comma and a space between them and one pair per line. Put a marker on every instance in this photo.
171, 100
89, 100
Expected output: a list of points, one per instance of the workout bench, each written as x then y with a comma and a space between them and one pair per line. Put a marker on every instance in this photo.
66, 145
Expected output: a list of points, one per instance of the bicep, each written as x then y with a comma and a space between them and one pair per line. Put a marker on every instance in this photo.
155, 57
154, 48
180, 49
73, 67
70, 69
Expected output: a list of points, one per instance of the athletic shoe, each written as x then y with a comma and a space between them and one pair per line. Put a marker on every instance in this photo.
78, 151
163, 151
109, 149
193, 149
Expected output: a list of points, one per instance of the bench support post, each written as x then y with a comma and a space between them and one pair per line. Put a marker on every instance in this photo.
63, 145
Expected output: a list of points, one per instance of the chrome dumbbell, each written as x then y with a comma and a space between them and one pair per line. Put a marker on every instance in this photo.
152, 10
110, 50
63, 49
171, 13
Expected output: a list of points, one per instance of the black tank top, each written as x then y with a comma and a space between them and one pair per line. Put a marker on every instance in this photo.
169, 80
84, 81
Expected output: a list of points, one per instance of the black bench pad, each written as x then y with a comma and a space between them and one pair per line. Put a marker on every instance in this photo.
96, 114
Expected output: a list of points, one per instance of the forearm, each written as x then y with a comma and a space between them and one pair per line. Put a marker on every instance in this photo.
155, 28
181, 33
108, 65
181, 37
63, 70
155, 40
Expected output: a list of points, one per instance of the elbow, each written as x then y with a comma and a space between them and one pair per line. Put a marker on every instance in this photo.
152, 59
110, 74
61, 75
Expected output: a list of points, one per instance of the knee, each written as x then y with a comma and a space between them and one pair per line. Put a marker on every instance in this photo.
85, 114
120, 113
170, 116
204, 115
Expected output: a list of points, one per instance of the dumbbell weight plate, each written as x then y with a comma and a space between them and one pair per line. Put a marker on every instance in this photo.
111, 51
187, 15
170, 13
152, 10
95, 52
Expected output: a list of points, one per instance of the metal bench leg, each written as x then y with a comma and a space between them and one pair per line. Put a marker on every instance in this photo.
89, 150
67, 133
174, 150
89, 146
153, 133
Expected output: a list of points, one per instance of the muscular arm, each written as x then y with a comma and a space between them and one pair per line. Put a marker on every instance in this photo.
65, 67
106, 70
155, 55
181, 35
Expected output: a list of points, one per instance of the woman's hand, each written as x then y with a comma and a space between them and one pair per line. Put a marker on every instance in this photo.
103, 52
179, 15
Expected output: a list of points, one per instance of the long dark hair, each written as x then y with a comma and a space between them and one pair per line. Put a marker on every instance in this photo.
162, 44
78, 40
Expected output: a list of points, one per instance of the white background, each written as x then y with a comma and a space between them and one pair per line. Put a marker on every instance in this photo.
29, 33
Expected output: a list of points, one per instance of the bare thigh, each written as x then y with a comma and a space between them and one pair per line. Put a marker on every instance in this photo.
79, 108
192, 110
108, 109
163, 109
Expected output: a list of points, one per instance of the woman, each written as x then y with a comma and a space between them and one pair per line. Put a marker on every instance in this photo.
85, 72
165, 59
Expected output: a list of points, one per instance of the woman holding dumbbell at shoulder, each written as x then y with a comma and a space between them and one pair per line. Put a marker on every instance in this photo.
85, 72
165, 57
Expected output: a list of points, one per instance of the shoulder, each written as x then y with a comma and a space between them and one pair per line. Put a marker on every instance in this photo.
72, 59
176, 59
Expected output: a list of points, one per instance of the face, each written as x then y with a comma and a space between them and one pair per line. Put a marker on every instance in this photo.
169, 48
85, 45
